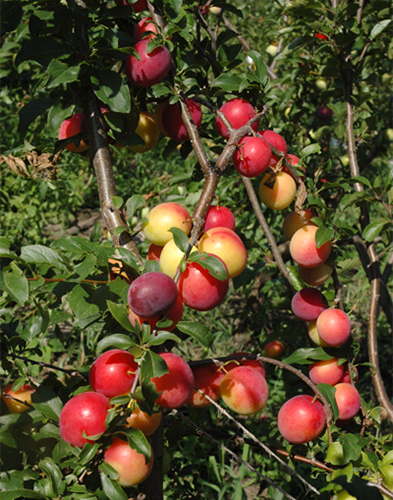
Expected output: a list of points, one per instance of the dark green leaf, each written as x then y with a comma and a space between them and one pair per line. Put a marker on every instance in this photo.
31, 111
11, 15
261, 71
352, 446
21, 493
228, 83
180, 238
5, 251
38, 254
374, 228
305, 355
132, 204
152, 365
358, 199
47, 402
138, 441
323, 235
110, 89
112, 488
62, 73
311, 149
15, 284
116, 340
120, 313
52, 471
329, 391
214, 265
86, 267
161, 336
379, 28
43, 50
196, 331
88, 452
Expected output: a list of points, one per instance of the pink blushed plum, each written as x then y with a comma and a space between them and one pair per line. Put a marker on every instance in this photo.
74, 125
128, 462
277, 141
238, 112
334, 327
301, 419
177, 385
145, 26
172, 121
252, 156
163, 217
274, 349
113, 373
199, 289
244, 390
348, 400
308, 303
315, 276
152, 294
84, 413
219, 216
152, 67
326, 372
207, 379
228, 246
304, 250
294, 221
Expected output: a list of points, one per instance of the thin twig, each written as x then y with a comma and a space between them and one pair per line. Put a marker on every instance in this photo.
232, 454
73, 373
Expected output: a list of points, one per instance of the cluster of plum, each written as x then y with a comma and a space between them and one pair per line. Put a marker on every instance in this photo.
239, 382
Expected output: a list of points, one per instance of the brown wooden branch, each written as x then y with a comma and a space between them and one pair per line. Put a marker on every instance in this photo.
73, 373
375, 276
270, 238
311, 461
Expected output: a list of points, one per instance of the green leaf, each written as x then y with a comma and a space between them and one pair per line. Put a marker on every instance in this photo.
374, 228
305, 355
117, 201
110, 89
31, 111
86, 267
152, 365
15, 284
227, 82
352, 446
358, 199
132, 204
88, 452
47, 402
38, 254
214, 265
335, 455
112, 488
379, 28
261, 71
329, 391
323, 235
311, 149
52, 471
388, 458
197, 331
175, 5
5, 251
117, 340
120, 313
138, 441
62, 73
21, 493
43, 50
11, 15
161, 336
180, 238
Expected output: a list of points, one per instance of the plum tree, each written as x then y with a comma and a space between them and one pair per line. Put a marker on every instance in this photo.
301, 419
326, 372
15, 399
304, 250
307, 304
113, 373
151, 68
219, 216
228, 246
252, 156
131, 465
163, 217
334, 327
201, 290
244, 390
84, 415
207, 378
277, 191
238, 112
348, 400
152, 294
172, 121
177, 385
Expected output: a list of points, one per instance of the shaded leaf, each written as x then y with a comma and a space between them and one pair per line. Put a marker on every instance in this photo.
117, 340
120, 313
112, 488
305, 355
109, 88
42, 50
329, 391
180, 238
31, 111
197, 331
